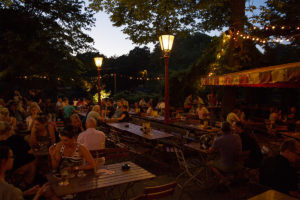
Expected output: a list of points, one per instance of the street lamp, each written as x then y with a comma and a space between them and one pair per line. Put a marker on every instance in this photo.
166, 43
98, 62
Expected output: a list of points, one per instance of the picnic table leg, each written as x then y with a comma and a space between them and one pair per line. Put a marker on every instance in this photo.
124, 194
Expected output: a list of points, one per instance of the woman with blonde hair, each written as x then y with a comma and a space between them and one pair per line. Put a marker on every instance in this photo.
34, 110
4, 116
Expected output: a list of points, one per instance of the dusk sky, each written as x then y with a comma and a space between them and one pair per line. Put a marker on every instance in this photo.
110, 40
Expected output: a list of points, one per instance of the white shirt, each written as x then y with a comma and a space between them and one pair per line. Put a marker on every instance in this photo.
92, 139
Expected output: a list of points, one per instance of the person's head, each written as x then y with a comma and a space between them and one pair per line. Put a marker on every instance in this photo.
124, 108
4, 112
236, 110
6, 158
293, 109
34, 108
41, 122
119, 104
91, 123
238, 127
75, 120
59, 99
96, 108
67, 136
66, 100
2, 102
226, 129
290, 149
5, 129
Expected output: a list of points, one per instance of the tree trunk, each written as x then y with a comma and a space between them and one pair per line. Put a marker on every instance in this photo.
237, 22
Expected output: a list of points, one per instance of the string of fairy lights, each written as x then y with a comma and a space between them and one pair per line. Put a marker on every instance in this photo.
123, 76
281, 39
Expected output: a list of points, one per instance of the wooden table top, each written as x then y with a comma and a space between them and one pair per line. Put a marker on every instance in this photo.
202, 128
137, 130
195, 146
272, 195
295, 135
92, 181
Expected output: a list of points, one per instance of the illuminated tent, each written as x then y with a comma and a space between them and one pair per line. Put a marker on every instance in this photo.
280, 76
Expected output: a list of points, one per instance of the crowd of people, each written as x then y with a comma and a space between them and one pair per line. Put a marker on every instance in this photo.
29, 124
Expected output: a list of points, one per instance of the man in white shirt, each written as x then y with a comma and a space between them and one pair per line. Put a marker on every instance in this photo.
92, 139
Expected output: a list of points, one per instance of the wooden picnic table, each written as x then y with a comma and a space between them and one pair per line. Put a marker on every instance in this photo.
295, 135
272, 195
137, 130
90, 182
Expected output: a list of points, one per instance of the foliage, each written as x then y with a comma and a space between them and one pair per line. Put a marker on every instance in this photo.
136, 96
144, 20
39, 38
279, 13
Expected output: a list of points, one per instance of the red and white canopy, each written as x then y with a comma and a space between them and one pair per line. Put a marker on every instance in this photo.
281, 76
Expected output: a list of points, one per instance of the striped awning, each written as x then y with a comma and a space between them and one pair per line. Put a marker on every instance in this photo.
286, 75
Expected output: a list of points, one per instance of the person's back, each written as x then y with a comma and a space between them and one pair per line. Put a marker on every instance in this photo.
229, 146
278, 172
92, 139
9, 192
94, 115
68, 111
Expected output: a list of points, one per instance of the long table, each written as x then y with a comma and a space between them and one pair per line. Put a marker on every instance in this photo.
93, 182
137, 130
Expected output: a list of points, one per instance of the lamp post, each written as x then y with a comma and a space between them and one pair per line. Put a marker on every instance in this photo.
166, 43
98, 62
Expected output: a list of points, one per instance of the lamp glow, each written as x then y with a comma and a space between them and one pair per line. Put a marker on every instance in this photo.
166, 43
98, 61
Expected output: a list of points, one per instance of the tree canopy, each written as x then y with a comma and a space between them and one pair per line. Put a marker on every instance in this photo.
41, 37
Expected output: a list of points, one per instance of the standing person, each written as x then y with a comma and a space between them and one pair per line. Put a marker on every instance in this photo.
68, 109
92, 139
279, 172
8, 191
68, 153
59, 107
42, 133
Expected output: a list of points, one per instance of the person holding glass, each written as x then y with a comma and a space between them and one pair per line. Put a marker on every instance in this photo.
70, 154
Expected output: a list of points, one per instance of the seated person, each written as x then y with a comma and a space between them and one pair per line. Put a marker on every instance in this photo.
202, 112
123, 118
229, 147
188, 103
70, 154
24, 166
275, 116
76, 123
233, 116
8, 191
278, 172
95, 113
42, 134
160, 106
250, 147
118, 111
92, 139
149, 110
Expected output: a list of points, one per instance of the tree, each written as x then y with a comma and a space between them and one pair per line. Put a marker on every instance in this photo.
279, 18
41, 37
